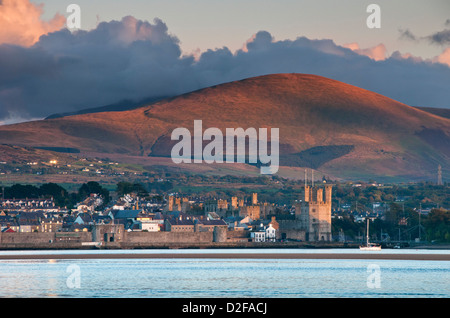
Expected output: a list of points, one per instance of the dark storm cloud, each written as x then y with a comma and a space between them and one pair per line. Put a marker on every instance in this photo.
407, 35
441, 37
132, 59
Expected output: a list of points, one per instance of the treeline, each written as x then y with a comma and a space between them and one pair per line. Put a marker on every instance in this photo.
427, 195
60, 195
65, 199
398, 223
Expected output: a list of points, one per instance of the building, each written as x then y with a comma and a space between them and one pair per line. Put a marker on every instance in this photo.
30, 205
126, 217
258, 235
107, 233
209, 224
271, 235
263, 233
179, 224
51, 224
254, 198
312, 218
315, 213
30, 221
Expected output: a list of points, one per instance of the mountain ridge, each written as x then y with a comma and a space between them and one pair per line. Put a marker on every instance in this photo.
316, 115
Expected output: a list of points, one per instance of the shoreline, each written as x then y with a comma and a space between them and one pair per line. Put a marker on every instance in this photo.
224, 255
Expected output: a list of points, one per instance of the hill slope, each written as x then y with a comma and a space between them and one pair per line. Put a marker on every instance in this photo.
340, 129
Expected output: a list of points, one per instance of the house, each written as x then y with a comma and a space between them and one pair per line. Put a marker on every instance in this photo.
30, 221
179, 224
28, 204
81, 227
270, 233
258, 234
8, 222
29, 225
245, 221
90, 203
213, 216
84, 218
150, 226
209, 224
51, 224
68, 222
126, 217
263, 233
101, 219
124, 214
8, 229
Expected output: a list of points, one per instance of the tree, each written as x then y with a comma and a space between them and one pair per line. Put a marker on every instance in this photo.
437, 225
60, 195
93, 187
128, 187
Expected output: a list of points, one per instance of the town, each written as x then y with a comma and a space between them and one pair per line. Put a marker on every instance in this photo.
321, 215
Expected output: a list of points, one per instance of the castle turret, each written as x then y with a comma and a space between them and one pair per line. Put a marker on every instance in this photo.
307, 193
254, 198
328, 193
319, 195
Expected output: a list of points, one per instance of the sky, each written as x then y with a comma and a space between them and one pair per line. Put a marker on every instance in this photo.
210, 24
137, 49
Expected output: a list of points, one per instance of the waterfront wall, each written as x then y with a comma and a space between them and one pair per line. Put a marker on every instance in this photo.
45, 237
168, 237
83, 240
76, 238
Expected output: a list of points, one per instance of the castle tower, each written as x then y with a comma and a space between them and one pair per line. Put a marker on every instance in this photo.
170, 208
254, 198
319, 193
328, 193
178, 204
234, 202
307, 193
314, 214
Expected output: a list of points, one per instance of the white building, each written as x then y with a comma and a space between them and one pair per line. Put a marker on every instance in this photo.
263, 234
258, 236
270, 233
150, 226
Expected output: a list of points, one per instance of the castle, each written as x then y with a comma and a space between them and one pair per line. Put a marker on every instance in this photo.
312, 219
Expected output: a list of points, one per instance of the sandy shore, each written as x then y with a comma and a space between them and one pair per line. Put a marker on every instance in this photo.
363, 255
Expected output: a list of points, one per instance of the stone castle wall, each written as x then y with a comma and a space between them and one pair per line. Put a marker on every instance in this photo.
168, 237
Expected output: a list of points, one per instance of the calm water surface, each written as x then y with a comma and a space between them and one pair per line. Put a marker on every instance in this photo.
156, 278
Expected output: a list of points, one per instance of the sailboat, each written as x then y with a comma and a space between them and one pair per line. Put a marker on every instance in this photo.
369, 246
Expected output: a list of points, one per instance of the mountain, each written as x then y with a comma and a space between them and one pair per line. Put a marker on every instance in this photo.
120, 106
338, 129
442, 112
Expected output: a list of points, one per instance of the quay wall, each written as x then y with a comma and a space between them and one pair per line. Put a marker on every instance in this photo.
130, 240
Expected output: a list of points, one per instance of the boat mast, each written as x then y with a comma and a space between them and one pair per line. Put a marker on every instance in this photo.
367, 233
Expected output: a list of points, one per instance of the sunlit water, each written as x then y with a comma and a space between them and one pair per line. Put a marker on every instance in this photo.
190, 278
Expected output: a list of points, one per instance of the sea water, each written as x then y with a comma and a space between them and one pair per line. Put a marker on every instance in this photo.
221, 278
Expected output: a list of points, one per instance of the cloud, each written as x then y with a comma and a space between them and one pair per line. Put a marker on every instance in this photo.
407, 35
443, 58
440, 38
68, 71
132, 59
377, 53
21, 24
259, 40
